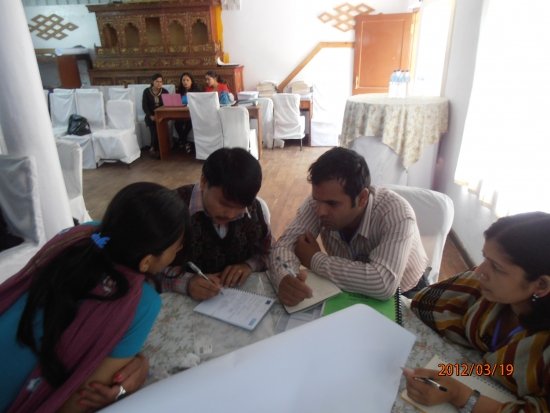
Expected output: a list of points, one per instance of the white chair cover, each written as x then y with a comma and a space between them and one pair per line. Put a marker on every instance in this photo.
288, 124
87, 90
119, 141
207, 127
120, 93
170, 88
46, 96
434, 215
144, 134
266, 110
265, 209
88, 152
20, 204
91, 106
70, 158
385, 166
62, 106
60, 90
236, 129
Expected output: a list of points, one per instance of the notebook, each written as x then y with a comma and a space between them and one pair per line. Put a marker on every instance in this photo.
240, 308
171, 99
391, 308
484, 385
323, 289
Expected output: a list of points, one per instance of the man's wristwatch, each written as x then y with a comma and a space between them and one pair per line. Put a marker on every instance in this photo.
470, 403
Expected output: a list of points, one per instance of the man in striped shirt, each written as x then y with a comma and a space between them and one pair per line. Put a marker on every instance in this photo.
369, 233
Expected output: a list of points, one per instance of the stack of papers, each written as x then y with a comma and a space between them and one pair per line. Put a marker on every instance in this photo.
267, 88
220, 63
245, 95
300, 87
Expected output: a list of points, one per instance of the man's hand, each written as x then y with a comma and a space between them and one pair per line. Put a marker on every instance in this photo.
132, 376
292, 291
233, 274
306, 247
200, 289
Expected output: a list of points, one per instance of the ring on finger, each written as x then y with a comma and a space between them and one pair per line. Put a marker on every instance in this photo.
121, 393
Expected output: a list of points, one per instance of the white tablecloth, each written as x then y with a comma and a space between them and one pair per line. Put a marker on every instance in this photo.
405, 125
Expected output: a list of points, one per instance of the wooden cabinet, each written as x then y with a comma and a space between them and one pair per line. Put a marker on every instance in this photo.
167, 37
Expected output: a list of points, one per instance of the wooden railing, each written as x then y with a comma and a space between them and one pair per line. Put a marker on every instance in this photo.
310, 56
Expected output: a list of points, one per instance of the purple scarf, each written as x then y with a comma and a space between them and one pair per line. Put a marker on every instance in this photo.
94, 333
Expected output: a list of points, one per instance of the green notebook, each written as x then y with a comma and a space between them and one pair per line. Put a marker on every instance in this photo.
390, 308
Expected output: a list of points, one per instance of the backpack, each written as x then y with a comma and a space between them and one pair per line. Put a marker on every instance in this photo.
78, 125
224, 98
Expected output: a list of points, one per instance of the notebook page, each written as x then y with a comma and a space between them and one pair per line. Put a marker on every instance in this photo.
486, 386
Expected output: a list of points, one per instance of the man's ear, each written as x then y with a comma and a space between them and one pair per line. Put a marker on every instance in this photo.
543, 286
145, 263
363, 198
203, 183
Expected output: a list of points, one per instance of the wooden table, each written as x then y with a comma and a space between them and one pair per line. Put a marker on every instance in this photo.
307, 104
166, 113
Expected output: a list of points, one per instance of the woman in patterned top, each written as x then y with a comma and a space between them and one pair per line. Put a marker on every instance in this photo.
501, 309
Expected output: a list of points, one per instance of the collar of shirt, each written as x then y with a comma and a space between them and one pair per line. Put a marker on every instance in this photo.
196, 205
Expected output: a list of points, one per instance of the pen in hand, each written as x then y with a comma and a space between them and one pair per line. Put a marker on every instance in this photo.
200, 273
288, 269
431, 383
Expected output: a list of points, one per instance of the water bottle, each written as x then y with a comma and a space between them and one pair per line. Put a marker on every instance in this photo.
401, 84
392, 93
407, 83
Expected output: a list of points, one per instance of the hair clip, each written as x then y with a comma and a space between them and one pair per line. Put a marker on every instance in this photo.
99, 240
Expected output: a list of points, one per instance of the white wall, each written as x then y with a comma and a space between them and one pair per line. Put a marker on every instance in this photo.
471, 219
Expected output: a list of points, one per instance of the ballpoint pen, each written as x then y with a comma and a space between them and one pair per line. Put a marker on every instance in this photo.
431, 383
199, 272
289, 270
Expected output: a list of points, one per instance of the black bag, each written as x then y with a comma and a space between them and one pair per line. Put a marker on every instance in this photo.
78, 125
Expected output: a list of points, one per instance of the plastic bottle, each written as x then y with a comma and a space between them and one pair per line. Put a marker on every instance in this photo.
392, 92
407, 78
400, 84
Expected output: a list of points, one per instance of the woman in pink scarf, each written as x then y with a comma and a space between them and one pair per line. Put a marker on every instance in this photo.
81, 309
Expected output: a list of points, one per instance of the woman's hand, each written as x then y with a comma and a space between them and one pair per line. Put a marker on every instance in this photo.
131, 377
428, 395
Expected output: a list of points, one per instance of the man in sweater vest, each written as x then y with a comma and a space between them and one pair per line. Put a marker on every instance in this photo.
230, 236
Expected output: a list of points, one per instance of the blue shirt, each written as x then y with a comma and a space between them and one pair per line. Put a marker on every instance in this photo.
19, 361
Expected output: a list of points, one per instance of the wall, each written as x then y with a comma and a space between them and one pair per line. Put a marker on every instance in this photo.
471, 219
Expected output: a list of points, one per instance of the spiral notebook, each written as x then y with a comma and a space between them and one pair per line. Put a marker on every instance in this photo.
486, 386
238, 307
391, 308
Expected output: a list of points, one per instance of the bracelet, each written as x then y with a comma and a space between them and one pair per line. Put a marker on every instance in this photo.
468, 407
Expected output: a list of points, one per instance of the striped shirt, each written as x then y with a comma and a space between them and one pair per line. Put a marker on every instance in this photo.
176, 279
385, 252
456, 310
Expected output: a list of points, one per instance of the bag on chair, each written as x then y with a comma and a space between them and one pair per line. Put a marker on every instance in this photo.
78, 125
224, 98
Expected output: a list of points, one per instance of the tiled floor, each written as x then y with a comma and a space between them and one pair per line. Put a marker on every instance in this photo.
284, 186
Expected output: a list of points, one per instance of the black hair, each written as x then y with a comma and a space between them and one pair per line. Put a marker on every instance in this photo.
236, 171
525, 238
194, 88
347, 167
213, 74
143, 218
155, 77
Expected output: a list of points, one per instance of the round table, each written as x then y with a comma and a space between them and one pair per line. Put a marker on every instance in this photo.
405, 125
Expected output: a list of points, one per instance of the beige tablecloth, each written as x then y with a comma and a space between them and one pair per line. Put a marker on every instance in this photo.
181, 337
405, 125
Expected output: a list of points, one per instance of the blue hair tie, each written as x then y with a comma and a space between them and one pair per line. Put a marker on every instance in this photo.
99, 240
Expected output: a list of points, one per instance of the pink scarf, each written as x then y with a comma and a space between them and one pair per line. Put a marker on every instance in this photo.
96, 330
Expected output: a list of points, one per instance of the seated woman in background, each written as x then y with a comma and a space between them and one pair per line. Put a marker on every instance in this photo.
150, 101
501, 309
82, 308
184, 126
215, 83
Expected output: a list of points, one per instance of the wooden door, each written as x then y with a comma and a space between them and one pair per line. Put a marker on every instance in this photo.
383, 43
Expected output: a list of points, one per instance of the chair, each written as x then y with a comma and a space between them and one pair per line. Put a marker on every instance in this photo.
265, 209
385, 165
207, 127
236, 129
62, 106
70, 158
91, 106
434, 216
266, 109
144, 134
288, 122
120, 93
60, 90
20, 204
86, 90
119, 141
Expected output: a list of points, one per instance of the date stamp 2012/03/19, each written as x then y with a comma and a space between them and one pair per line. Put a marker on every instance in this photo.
480, 369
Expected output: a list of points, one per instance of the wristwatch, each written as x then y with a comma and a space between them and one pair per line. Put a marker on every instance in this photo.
470, 403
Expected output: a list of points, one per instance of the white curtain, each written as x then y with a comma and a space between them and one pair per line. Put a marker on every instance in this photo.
506, 144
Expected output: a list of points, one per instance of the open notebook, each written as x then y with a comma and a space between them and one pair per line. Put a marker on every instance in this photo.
486, 386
